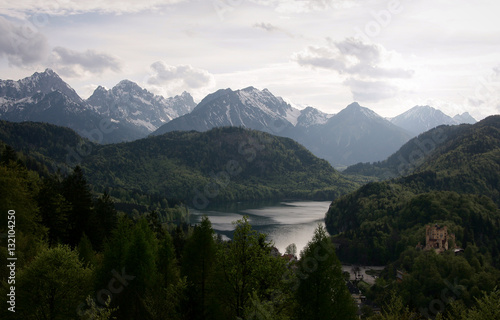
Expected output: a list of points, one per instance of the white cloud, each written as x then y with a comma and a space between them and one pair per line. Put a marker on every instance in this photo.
72, 63
22, 45
371, 91
485, 94
369, 69
351, 57
272, 28
266, 26
170, 80
298, 6
36, 9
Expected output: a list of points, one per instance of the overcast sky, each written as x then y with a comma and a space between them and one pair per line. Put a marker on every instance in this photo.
387, 55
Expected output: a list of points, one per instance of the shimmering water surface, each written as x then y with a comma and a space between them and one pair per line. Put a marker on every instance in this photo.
283, 222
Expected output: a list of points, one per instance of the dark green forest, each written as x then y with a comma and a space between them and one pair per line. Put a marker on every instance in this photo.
78, 258
197, 169
456, 184
102, 232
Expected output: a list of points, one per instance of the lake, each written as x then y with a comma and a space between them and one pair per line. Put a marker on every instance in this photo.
284, 222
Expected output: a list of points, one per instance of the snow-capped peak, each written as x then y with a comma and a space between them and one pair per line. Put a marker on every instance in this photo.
422, 118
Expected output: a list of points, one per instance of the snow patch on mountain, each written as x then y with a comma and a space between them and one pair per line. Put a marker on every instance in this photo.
293, 115
422, 118
130, 103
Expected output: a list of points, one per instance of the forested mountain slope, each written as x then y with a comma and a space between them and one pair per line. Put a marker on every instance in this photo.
456, 185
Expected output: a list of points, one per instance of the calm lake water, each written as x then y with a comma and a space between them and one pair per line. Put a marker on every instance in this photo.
283, 222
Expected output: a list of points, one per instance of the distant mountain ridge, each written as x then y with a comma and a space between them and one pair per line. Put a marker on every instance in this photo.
127, 102
354, 134
124, 113
422, 118
38, 83
128, 112
464, 118
249, 108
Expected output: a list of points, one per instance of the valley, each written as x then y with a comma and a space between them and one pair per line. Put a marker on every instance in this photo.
244, 170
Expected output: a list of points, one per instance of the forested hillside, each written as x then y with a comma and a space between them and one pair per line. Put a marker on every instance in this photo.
455, 185
223, 164
457, 182
78, 258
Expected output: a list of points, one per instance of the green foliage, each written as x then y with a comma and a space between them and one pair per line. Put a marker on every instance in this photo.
103, 220
461, 158
453, 182
85, 251
322, 293
410, 155
94, 312
55, 210
53, 285
246, 268
77, 193
377, 222
395, 309
197, 266
51, 146
18, 190
223, 164
431, 277
486, 307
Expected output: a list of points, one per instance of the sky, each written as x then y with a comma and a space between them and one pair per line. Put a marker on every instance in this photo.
388, 56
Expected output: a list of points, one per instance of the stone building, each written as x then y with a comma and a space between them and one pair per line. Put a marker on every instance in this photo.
436, 237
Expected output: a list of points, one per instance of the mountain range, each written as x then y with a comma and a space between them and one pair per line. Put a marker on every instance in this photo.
128, 103
450, 175
123, 113
128, 112
422, 118
353, 135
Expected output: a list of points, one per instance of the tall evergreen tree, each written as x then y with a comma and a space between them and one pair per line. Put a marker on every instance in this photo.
103, 220
197, 265
8, 155
54, 211
246, 267
140, 262
113, 261
163, 299
322, 293
77, 193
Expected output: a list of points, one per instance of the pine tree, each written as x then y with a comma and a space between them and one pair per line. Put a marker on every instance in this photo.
322, 293
246, 268
103, 220
77, 193
140, 262
197, 265
54, 211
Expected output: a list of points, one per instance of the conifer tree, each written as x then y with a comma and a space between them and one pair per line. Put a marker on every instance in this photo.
197, 265
54, 211
103, 220
322, 293
246, 268
140, 263
77, 193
